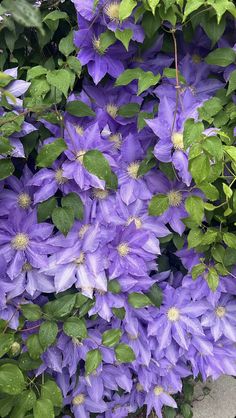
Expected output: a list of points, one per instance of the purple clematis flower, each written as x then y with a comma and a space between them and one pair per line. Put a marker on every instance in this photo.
220, 316
158, 397
84, 403
99, 60
24, 241
177, 319
131, 251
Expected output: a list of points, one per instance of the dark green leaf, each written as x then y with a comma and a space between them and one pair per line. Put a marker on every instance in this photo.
195, 207
12, 380
66, 45
129, 110
24, 403
27, 363
73, 201
49, 153
139, 300
155, 295
60, 307
96, 163
75, 327
124, 353
111, 337
34, 347
51, 391
24, 13
6, 341
232, 82
63, 219
6, 169
43, 408
31, 312
93, 359
192, 132
60, 79
48, 333
46, 208
78, 108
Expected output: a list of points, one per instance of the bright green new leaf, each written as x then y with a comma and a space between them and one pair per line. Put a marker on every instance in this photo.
191, 6
230, 239
66, 45
153, 5
147, 80
212, 279
227, 191
192, 132
124, 36
195, 207
35, 72
126, 8
200, 168
197, 270
194, 238
56, 15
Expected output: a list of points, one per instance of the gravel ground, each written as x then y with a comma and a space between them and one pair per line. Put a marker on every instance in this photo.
218, 402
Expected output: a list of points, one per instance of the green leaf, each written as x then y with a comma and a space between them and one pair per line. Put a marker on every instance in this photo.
111, 337
230, 151
147, 80
153, 4
227, 190
124, 353
26, 363
213, 146
50, 152
106, 39
43, 408
194, 238
6, 341
73, 201
126, 8
192, 132
195, 207
6, 405
232, 83
200, 168
186, 410
31, 312
129, 75
74, 65
34, 347
210, 191
35, 72
24, 13
60, 79
5, 146
63, 219
171, 73
47, 333
24, 403
66, 45
5, 79
129, 110
212, 279
12, 380
93, 360
96, 163
124, 36
155, 295
75, 327
78, 108
45, 209
158, 205
6, 169
56, 15
209, 237
51, 391
191, 6
60, 307
221, 56
230, 239
138, 300
197, 270
114, 286
210, 108
119, 312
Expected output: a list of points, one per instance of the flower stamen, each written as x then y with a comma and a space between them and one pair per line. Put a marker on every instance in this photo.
123, 249
173, 314
20, 242
175, 198
24, 200
178, 140
133, 170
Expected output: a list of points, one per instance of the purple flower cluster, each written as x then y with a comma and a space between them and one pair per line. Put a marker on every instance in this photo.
117, 241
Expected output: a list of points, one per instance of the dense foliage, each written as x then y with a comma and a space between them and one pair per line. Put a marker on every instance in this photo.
118, 205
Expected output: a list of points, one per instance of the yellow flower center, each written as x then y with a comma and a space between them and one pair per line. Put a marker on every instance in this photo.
158, 390
24, 200
137, 221
123, 249
27, 267
178, 140
79, 399
112, 110
80, 156
173, 314
83, 230
112, 11
220, 311
133, 170
80, 260
100, 194
175, 198
116, 139
97, 46
139, 387
20, 242
59, 176
196, 59
79, 130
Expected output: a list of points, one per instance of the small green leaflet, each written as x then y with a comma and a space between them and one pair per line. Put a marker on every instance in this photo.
126, 8
111, 337
124, 36
78, 108
145, 79
158, 205
50, 152
93, 359
95, 162
221, 56
124, 353
63, 219
139, 300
